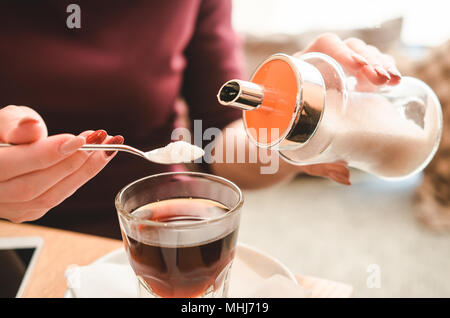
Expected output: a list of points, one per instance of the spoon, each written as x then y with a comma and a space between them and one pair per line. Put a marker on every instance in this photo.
173, 153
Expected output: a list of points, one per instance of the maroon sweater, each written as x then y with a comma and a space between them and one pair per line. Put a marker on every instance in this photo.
123, 72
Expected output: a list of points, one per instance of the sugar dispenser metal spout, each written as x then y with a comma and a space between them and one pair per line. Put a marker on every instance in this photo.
241, 94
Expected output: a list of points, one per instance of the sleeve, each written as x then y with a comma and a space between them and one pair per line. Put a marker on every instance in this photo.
213, 57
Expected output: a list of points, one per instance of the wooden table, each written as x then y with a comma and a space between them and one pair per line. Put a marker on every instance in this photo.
63, 248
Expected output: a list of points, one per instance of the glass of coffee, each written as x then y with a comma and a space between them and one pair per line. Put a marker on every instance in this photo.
180, 231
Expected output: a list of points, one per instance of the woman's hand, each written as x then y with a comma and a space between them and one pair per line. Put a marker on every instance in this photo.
369, 66
364, 61
40, 171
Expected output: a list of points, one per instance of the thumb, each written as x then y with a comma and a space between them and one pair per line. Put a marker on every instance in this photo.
20, 125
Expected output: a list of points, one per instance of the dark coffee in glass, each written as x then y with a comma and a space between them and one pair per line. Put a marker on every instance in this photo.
181, 246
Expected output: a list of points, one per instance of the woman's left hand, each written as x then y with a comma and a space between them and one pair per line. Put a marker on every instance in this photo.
370, 67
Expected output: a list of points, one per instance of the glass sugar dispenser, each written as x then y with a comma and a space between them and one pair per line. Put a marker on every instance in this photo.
310, 111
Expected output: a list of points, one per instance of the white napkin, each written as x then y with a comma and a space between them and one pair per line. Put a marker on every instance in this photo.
101, 280
246, 282
108, 280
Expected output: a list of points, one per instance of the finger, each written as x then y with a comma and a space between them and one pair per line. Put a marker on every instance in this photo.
336, 171
22, 159
342, 177
20, 124
333, 46
322, 168
17, 213
375, 71
66, 187
389, 64
116, 140
36, 208
86, 133
29, 186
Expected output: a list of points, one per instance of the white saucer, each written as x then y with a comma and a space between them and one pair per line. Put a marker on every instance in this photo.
249, 263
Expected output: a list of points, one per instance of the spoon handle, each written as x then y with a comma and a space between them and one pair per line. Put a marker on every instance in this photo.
101, 147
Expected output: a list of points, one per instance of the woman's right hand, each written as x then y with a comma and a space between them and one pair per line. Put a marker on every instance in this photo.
40, 171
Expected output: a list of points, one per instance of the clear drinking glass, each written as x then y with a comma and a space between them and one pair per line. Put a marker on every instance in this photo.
180, 232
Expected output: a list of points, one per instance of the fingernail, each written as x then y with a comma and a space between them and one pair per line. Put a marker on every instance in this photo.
72, 145
339, 178
382, 72
116, 140
26, 121
339, 174
394, 72
97, 137
361, 60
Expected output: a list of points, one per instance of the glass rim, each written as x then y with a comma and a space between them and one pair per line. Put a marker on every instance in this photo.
215, 178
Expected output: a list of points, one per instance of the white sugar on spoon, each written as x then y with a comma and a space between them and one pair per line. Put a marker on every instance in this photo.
175, 152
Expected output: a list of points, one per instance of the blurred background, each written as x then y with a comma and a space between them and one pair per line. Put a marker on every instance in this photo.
335, 232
